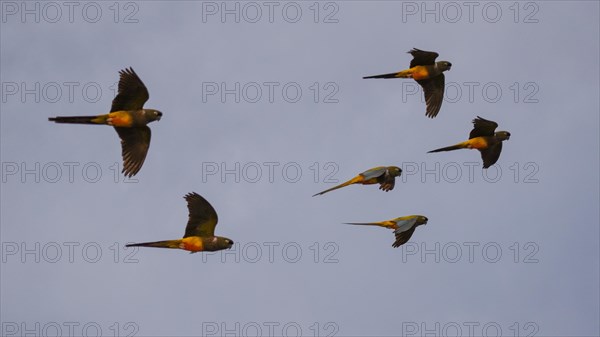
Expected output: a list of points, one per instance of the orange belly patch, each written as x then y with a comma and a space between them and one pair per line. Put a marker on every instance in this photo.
192, 244
478, 143
420, 73
120, 118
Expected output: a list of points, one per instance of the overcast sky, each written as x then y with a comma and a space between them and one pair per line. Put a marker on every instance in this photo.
264, 105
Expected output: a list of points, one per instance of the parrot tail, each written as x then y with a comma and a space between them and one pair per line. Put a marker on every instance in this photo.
354, 180
386, 224
363, 223
450, 148
158, 244
402, 74
80, 119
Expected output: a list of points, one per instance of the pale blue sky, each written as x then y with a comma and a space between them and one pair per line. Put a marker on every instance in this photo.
541, 212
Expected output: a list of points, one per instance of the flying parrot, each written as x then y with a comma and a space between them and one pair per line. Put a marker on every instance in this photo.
129, 119
483, 138
385, 176
403, 227
429, 74
200, 230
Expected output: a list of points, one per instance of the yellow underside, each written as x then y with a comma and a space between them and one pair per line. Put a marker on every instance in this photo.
389, 224
370, 181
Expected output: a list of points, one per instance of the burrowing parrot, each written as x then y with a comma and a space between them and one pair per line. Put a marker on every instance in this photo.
200, 230
129, 119
484, 139
403, 227
383, 175
429, 74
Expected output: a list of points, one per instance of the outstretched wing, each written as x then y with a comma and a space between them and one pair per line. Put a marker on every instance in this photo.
422, 57
405, 230
375, 172
132, 92
434, 94
134, 147
491, 154
483, 128
203, 217
403, 237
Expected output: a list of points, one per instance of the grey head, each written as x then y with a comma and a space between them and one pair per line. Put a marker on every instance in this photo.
443, 65
394, 171
152, 115
223, 243
502, 135
422, 220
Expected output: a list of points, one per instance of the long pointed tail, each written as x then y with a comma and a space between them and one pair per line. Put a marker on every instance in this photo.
385, 224
363, 223
449, 148
349, 182
400, 74
79, 119
158, 244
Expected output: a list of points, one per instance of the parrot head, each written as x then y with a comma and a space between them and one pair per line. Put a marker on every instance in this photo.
422, 219
224, 243
502, 135
152, 115
394, 171
443, 65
